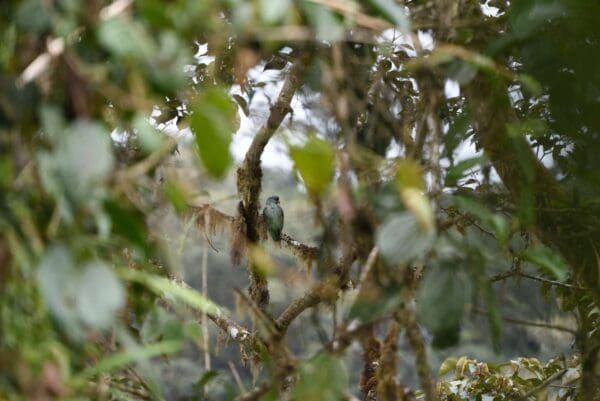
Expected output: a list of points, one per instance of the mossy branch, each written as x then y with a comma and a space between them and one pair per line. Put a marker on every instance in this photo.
249, 175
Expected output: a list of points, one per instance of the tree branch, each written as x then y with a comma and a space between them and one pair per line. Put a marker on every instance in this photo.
322, 291
249, 175
253, 394
222, 220
529, 322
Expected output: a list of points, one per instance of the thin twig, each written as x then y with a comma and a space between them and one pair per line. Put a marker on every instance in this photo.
253, 394
236, 377
529, 322
552, 282
270, 324
513, 273
149, 162
205, 338
542, 385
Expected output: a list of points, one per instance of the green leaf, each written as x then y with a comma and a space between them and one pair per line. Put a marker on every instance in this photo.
547, 259
374, 303
323, 378
57, 279
402, 238
34, 15
495, 220
126, 38
119, 360
90, 295
419, 205
273, 11
212, 123
409, 174
494, 318
53, 122
394, 12
315, 163
100, 295
448, 365
148, 136
81, 159
457, 171
326, 24
127, 224
160, 325
205, 379
177, 195
442, 296
172, 290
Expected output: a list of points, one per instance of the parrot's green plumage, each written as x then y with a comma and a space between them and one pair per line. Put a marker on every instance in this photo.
273, 215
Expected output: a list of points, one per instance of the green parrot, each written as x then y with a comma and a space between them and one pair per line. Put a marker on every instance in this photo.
273, 215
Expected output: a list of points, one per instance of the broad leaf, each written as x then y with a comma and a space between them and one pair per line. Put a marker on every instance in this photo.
315, 163
323, 378
442, 296
394, 12
273, 11
548, 260
212, 123
126, 38
100, 295
402, 238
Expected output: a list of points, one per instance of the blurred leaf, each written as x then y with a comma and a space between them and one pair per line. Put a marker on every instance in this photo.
442, 295
90, 294
530, 127
53, 122
262, 261
322, 378
448, 365
57, 279
149, 137
374, 302
495, 220
126, 38
167, 66
402, 239
394, 12
160, 325
419, 205
409, 174
212, 123
457, 133
272, 12
192, 330
206, 378
100, 295
242, 103
315, 163
177, 194
527, 17
326, 23
457, 171
494, 318
172, 290
547, 259
82, 158
121, 359
530, 84
127, 224
35, 16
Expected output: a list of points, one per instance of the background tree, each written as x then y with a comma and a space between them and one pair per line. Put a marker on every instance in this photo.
441, 147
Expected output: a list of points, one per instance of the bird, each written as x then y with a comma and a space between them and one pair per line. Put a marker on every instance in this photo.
273, 215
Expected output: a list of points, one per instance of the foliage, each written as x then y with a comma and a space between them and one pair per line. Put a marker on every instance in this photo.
440, 148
